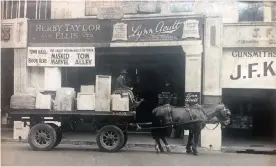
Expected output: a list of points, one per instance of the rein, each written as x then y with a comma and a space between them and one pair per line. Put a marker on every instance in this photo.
172, 124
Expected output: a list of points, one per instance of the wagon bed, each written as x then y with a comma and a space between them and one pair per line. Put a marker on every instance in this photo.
112, 126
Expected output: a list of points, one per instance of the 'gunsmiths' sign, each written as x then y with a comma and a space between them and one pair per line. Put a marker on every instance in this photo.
249, 69
249, 36
61, 56
154, 30
69, 31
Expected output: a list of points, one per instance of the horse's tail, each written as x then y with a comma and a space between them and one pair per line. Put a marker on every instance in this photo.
154, 111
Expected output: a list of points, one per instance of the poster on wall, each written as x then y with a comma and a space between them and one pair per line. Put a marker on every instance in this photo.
192, 98
244, 68
61, 56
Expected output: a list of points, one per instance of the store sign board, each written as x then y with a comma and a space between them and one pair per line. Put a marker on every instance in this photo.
244, 68
192, 98
249, 36
156, 30
61, 56
69, 31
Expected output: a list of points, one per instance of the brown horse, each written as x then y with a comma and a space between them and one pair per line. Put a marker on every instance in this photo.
192, 118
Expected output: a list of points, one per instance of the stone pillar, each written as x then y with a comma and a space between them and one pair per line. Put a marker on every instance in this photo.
193, 74
0, 83
20, 70
212, 90
212, 60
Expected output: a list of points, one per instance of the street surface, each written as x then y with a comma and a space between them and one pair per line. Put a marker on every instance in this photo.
20, 154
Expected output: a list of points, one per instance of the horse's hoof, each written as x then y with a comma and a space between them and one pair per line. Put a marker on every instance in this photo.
168, 150
188, 151
195, 153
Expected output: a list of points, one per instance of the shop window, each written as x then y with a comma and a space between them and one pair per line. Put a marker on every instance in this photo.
273, 12
251, 11
128, 7
182, 6
39, 9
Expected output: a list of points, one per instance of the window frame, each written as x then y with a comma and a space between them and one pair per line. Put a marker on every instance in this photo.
273, 12
250, 10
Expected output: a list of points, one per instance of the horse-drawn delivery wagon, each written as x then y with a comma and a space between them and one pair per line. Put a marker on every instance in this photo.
112, 124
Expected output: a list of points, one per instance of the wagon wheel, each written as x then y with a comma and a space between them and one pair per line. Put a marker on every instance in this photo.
42, 137
59, 133
125, 140
110, 138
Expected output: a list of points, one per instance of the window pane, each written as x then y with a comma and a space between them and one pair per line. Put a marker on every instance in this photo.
251, 11
273, 10
128, 7
45, 9
31, 9
187, 6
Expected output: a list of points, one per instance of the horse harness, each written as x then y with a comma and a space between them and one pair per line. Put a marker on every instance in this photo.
171, 116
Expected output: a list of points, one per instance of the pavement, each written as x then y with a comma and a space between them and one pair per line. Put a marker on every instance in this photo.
20, 154
144, 140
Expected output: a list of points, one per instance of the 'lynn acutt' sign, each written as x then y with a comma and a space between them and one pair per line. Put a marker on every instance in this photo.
156, 30
249, 69
61, 56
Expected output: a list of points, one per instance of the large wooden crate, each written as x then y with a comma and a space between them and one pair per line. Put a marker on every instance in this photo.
86, 101
65, 99
103, 93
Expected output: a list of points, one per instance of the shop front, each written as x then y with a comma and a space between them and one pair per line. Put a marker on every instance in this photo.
13, 41
162, 56
249, 84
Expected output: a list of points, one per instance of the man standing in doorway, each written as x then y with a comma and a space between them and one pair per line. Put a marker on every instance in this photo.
121, 87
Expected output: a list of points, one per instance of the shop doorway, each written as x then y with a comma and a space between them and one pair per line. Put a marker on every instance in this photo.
7, 82
253, 122
149, 69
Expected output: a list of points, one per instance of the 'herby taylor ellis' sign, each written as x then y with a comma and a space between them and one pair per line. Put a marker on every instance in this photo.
61, 56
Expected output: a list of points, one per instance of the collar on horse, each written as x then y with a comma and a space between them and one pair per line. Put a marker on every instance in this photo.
203, 111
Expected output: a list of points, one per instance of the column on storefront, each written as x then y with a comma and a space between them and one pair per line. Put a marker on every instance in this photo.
193, 73
212, 60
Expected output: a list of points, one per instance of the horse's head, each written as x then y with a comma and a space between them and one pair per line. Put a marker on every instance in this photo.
224, 114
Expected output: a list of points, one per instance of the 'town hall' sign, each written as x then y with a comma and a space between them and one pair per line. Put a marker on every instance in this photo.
61, 56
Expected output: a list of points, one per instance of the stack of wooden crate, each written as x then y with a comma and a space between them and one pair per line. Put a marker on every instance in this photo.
86, 98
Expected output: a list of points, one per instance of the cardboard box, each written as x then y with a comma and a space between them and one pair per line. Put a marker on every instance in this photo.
19, 131
43, 101
85, 101
65, 99
120, 103
87, 89
211, 138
